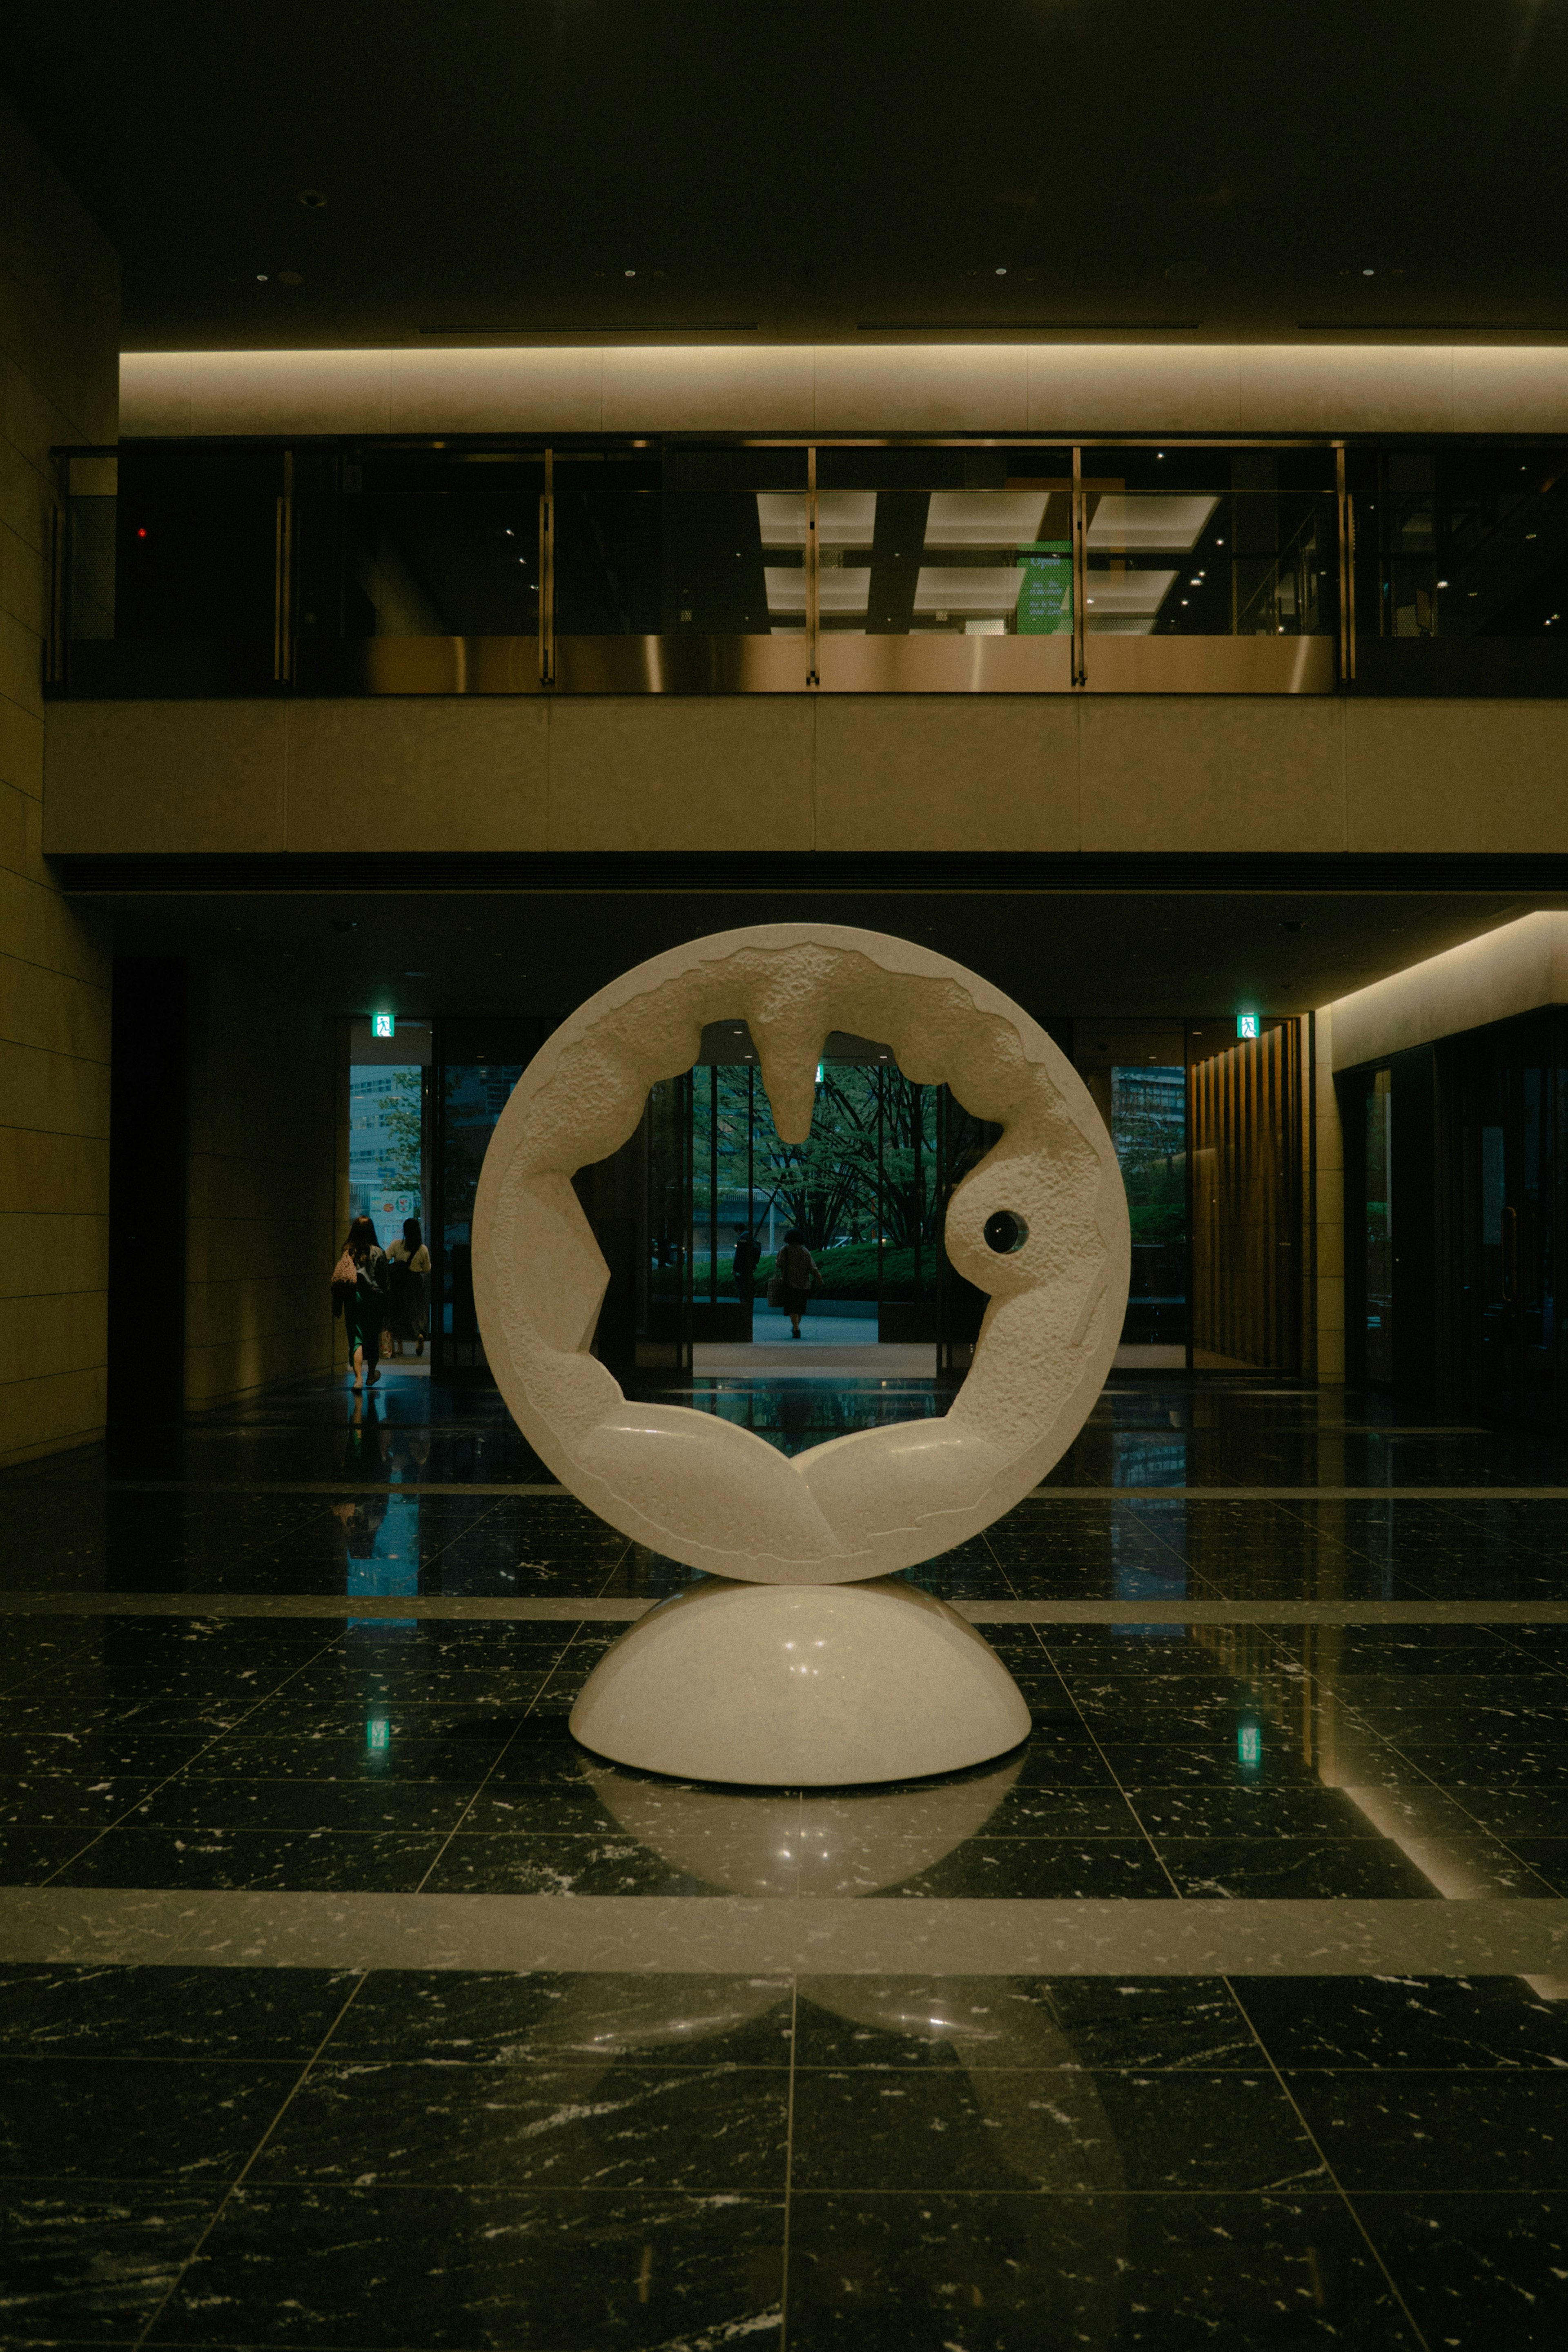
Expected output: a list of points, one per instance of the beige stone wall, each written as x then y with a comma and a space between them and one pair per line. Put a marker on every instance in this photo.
60, 320
1155, 773
262, 1199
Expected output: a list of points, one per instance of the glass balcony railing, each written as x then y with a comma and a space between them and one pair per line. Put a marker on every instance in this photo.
679, 566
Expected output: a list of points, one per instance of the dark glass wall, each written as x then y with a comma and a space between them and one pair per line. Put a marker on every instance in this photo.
668, 564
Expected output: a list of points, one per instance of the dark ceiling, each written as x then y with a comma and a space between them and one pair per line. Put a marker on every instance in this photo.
1113, 953
811, 172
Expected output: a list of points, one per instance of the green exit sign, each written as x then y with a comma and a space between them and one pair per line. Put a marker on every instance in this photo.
1246, 1025
384, 1025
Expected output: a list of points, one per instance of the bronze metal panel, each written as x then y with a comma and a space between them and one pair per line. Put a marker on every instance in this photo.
684, 665
935, 662
1247, 1140
442, 664
1210, 665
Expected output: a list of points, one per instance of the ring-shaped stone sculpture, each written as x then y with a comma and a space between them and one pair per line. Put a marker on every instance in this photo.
1041, 1226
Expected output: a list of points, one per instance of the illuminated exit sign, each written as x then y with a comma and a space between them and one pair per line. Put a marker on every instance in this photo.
384, 1025
1246, 1026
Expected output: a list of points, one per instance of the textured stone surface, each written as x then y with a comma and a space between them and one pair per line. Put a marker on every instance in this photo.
706, 1491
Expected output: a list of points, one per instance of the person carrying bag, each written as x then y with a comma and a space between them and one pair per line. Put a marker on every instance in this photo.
795, 1277
358, 1296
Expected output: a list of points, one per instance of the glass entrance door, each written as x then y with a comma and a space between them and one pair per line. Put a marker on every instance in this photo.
869, 1190
1511, 1100
1377, 1227
477, 1064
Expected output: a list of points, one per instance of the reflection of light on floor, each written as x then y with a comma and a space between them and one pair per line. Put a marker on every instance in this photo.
383, 1557
1457, 1875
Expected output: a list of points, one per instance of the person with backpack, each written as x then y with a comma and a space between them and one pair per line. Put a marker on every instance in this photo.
358, 1297
408, 1273
795, 1277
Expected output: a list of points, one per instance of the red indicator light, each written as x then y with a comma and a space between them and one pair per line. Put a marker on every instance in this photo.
141, 533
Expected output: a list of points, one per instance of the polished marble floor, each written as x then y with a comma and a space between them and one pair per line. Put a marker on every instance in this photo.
344, 2002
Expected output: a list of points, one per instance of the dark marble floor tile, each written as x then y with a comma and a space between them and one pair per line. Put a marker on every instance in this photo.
1040, 1869
1029, 2274
1141, 1667
1459, 1760
50, 1800
366, 1753
1546, 1857
1538, 1809
1419, 1719
104, 1756
1128, 1716
1483, 2023
298, 1862
1478, 2273
1023, 1808
1215, 1764
99, 2119
168, 2012
503, 2270
62, 1715
1305, 1809
563, 1807
1314, 1869
195, 1804
1398, 1651
1546, 1646
1436, 2131
483, 1864
93, 2269
478, 1725
506, 1683
1005, 2127
545, 1754
535, 2020
1076, 2022
615, 2124
971, 1573
1064, 1764
29, 1857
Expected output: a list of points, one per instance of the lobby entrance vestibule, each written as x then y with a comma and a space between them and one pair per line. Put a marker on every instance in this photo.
1207, 1131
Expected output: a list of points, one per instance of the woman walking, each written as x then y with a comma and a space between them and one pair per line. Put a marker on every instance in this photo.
408, 1270
797, 1277
357, 1291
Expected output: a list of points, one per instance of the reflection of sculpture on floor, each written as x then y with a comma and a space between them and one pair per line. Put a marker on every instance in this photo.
808, 1689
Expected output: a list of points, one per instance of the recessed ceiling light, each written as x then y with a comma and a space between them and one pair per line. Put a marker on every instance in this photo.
1367, 273
1001, 273
1442, 584
312, 199
628, 273
261, 276
416, 975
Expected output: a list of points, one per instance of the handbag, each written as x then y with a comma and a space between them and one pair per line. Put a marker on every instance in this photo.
344, 1282
776, 1290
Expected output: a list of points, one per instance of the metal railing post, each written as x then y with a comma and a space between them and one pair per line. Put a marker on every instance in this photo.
813, 609
547, 573
1345, 510
1080, 575
283, 580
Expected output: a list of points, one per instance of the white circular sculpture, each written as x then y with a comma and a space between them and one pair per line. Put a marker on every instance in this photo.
1041, 1224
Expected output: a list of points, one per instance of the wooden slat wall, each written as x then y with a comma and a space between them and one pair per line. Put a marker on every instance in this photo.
1244, 1120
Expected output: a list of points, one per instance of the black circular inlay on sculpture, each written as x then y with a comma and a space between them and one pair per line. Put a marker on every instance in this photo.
1005, 1232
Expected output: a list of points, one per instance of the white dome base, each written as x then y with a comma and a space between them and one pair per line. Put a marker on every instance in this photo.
791, 1686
